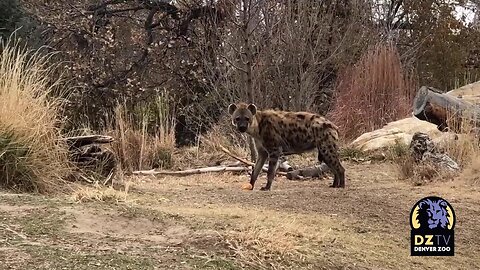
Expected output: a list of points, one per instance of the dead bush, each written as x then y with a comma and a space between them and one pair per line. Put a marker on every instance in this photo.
372, 93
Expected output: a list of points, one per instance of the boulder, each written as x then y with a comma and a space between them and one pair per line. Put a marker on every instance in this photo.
469, 92
401, 130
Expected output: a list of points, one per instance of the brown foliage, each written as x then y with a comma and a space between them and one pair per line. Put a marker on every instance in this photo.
372, 93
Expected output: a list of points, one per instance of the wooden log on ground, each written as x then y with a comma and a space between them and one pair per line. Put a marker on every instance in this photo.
79, 141
310, 172
445, 111
283, 165
193, 171
91, 159
246, 162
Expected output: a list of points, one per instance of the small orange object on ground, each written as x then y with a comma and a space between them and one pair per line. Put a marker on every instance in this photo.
247, 186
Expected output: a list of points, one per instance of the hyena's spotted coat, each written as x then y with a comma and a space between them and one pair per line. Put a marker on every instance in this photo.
279, 133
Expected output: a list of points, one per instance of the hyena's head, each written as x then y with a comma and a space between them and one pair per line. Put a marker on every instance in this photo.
242, 115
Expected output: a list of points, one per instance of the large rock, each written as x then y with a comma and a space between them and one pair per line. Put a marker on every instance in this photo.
404, 129
401, 130
469, 92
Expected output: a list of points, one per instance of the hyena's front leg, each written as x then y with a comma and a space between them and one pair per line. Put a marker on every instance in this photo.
274, 154
261, 158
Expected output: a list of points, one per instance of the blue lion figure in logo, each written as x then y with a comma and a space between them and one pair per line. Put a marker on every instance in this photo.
433, 213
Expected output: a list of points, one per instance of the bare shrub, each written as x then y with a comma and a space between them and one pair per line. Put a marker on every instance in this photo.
32, 155
223, 133
372, 93
281, 55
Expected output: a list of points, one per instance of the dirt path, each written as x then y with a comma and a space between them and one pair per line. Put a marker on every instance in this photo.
208, 222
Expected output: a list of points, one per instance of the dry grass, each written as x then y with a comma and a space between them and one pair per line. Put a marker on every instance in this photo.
262, 237
417, 173
278, 236
466, 147
32, 156
137, 146
223, 133
471, 174
100, 193
373, 93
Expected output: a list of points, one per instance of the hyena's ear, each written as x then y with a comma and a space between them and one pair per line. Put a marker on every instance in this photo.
231, 108
252, 108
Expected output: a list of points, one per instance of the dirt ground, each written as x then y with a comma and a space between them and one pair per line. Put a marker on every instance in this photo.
209, 222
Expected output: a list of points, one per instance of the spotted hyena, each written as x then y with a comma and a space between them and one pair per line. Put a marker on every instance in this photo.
279, 133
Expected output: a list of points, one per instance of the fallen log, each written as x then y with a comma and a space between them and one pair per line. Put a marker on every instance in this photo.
445, 111
193, 171
226, 168
79, 141
310, 172
91, 159
283, 165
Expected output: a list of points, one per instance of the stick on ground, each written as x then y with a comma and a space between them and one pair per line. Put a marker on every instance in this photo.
193, 171
246, 162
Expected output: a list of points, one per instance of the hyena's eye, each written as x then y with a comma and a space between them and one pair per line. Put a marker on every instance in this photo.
237, 119
247, 119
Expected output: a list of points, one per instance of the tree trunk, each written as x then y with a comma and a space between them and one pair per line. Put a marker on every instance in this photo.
445, 111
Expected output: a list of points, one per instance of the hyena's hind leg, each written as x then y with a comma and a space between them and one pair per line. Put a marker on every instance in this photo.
328, 153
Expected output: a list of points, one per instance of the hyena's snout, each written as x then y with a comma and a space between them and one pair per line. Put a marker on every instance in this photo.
242, 128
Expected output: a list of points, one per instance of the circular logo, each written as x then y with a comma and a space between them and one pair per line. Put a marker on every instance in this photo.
432, 213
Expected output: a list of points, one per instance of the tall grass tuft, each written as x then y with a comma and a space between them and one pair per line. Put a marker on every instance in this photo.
145, 136
372, 93
33, 157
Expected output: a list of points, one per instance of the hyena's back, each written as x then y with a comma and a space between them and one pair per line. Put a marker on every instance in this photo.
296, 132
